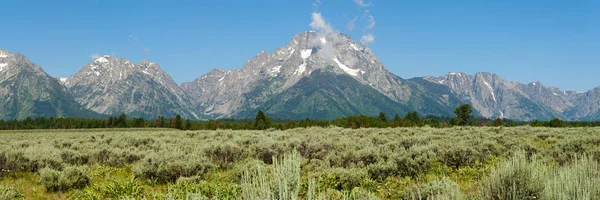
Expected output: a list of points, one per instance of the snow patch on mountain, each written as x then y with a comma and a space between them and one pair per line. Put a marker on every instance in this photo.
63, 79
353, 72
323, 40
300, 69
101, 60
491, 90
276, 69
2, 65
2, 55
354, 47
306, 53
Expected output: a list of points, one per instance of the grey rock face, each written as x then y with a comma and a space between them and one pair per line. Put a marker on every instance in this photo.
225, 93
28, 91
112, 86
494, 97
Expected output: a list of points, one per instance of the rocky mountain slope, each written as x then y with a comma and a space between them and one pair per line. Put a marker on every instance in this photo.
265, 80
27, 91
316, 75
112, 86
494, 97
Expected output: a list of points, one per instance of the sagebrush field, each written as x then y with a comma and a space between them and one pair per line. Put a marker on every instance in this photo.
313, 163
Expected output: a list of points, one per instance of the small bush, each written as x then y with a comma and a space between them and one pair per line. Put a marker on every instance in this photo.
74, 158
69, 178
9, 193
120, 189
168, 168
114, 158
280, 182
226, 154
581, 180
342, 179
516, 178
185, 188
444, 189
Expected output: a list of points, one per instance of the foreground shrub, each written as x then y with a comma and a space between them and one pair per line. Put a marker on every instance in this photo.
9, 193
114, 158
444, 189
226, 154
281, 182
342, 179
186, 188
120, 189
580, 180
69, 178
164, 168
516, 178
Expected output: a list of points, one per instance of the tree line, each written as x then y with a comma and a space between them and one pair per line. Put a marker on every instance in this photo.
263, 122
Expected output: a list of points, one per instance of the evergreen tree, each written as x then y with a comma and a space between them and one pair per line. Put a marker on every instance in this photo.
556, 122
397, 118
122, 121
498, 122
382, 117
463, 113
176, 122
188, 124
412, 119
262, 121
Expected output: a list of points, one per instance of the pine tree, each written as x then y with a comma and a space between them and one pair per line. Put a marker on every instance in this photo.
382, 117
498, 122
122, 121
463, 113
188, 124
262, 121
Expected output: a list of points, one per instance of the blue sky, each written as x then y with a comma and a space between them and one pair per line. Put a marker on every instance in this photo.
555, 42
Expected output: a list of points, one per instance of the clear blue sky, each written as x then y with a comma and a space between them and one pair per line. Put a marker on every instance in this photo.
555, 42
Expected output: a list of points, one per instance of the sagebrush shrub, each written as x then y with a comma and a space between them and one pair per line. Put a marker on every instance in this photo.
281, 182
165, 168
9, 193
70, 178
579, 180
443, 189
516, 178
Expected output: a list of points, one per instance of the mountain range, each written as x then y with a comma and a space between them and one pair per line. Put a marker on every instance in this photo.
316, 75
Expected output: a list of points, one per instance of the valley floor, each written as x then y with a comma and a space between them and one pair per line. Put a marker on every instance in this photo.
313, 163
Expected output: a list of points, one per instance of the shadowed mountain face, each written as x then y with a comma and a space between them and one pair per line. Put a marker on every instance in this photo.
27, 91
316, 75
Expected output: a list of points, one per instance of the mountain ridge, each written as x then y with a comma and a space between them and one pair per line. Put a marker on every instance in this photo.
110, 85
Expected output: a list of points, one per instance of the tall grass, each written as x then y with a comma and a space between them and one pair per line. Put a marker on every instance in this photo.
281, 182
515, 179
579, 180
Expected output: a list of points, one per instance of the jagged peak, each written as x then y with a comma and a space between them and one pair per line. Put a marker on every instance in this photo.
536, 83
456, 74
4, 53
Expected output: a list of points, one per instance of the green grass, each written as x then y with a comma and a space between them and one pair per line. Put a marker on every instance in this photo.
328, 163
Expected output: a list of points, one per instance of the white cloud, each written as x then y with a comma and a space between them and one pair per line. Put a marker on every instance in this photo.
371, 21
350, 26
316, 4
367, 39
133, 38
361, 3
144, 49
319, 24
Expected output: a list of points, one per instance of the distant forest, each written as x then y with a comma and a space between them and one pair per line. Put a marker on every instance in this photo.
263, 122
